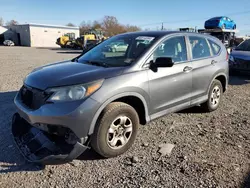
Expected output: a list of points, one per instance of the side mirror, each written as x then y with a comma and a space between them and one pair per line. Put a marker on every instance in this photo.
164, 62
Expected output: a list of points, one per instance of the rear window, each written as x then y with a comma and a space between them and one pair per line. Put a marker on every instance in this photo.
215, 47
199, 46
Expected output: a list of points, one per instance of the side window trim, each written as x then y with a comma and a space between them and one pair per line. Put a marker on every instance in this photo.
189, 50
210, 48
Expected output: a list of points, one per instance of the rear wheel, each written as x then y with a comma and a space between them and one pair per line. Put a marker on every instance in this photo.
214, 96
115, 130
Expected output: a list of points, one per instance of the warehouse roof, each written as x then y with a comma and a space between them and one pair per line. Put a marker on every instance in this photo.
50, 26
2, 30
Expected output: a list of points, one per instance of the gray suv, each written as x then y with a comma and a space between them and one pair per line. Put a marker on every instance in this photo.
100, 98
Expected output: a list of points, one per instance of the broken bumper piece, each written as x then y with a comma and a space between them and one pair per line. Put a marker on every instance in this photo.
40, 147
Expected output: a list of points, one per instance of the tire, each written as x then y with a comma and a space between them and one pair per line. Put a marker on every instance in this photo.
211, 104
107, 137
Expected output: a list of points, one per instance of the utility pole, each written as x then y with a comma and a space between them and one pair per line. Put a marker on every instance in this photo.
162, 26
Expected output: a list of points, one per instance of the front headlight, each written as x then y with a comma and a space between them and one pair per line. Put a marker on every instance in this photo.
75, 92
231, 58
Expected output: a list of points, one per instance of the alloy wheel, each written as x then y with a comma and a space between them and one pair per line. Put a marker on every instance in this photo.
119, 132
215, 96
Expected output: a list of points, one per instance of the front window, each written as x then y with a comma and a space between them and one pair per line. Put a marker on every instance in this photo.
174, 48
244, 46
121, 50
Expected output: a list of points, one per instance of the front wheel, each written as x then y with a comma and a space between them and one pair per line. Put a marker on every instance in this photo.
115, 130
214, 96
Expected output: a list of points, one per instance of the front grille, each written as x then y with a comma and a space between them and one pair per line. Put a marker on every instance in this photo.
33, 98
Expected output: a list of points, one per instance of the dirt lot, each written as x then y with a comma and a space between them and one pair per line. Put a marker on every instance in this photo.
211, 149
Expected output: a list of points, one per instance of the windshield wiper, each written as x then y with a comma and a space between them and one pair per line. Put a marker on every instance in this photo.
97, 63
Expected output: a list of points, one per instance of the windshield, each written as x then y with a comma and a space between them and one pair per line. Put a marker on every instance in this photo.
120, 50
244, 46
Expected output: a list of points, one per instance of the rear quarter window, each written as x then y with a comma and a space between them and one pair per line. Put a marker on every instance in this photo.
215, 47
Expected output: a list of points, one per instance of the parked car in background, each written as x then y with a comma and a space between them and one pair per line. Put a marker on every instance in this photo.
8, 43
222, 22
239, 59
119, 47
99, 99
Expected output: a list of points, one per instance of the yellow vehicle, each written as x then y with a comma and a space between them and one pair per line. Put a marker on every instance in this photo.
66, 41
93, 35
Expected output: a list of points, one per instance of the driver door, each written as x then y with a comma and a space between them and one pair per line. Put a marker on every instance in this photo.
170, 87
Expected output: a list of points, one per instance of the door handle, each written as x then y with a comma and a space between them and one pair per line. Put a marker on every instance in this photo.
187, 69
213, 62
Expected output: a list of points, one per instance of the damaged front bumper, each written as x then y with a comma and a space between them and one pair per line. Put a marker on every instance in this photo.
42, 147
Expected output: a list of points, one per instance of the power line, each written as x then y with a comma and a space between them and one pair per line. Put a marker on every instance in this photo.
181, 21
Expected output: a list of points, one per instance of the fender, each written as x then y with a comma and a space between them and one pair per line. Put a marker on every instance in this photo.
120, 95
216, 75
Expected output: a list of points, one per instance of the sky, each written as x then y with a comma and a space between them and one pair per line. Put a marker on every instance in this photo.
144, 13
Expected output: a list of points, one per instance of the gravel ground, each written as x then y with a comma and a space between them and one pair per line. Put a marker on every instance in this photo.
210, 149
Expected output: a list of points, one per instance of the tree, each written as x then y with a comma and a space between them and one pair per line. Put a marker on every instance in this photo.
132, 28
12, 22
96, 25
84, 27
111, 26
70, 24
1, 21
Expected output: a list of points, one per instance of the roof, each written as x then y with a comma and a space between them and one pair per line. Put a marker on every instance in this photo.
151, 33
216, 18
47, 25
158, 33
2, 30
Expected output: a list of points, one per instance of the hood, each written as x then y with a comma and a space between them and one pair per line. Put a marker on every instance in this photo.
241, 54
68, 73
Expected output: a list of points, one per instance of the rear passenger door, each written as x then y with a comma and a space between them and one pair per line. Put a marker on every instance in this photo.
203, 62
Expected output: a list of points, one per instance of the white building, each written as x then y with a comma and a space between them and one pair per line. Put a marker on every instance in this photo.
40, 35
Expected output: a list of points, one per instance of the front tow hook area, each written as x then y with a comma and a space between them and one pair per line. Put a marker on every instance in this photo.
40, 147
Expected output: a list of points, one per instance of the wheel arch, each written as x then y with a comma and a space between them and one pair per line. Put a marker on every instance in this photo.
222, 77
136, 100
223, 81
